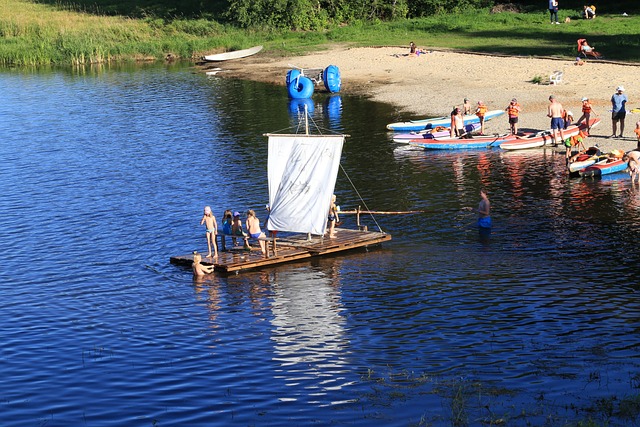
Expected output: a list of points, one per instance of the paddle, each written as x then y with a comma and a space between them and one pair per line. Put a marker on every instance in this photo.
497, 138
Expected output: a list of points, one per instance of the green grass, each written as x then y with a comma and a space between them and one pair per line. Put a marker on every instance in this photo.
35, 34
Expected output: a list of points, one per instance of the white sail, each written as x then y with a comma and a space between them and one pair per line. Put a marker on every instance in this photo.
302, 171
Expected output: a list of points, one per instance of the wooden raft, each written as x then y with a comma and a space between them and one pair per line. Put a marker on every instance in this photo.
289, 248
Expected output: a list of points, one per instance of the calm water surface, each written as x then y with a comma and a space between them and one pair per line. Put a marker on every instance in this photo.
104, 175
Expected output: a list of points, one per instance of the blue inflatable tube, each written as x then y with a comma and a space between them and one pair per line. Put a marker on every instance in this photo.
291, 75
297, 106
331, 77
300, 87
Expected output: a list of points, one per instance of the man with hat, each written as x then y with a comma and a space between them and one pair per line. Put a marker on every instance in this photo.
618, 111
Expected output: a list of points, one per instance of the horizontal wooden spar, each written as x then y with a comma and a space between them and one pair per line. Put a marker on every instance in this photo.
381, 212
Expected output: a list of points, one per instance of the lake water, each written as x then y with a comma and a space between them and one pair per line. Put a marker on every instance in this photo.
103, 178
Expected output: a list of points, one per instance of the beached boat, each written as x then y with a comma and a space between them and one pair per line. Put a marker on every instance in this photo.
543, 138
583, 161
476, 142
235, 54
418, 125
438, 132
603, 167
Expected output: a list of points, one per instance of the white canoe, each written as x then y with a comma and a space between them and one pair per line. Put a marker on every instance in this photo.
236, 54
418, 125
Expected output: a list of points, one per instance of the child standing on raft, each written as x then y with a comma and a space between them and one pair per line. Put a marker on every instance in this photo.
212, 227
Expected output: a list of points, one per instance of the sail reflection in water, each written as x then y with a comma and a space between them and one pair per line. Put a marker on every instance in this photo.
309, 335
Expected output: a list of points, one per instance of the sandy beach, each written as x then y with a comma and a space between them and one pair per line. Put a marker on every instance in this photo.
431, 84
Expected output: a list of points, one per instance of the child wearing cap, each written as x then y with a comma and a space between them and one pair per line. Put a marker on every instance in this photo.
212, 227
236, 230
513, 109
587, 109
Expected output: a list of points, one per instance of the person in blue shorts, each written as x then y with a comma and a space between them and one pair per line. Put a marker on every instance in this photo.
618, 111
484, 211
556, 113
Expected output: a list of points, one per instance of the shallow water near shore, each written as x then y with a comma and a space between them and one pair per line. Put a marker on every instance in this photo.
104, 177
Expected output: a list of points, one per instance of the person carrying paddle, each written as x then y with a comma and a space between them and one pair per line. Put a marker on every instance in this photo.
556, 113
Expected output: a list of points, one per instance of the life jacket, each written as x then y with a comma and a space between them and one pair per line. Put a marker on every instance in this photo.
586, 107
513, 110
481, 110
575, 140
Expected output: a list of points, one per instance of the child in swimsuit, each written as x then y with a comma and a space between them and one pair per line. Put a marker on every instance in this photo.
253, 228
212, 227
200, 269
333, 217
227, 219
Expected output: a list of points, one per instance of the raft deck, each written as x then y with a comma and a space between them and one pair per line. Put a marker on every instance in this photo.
286, 249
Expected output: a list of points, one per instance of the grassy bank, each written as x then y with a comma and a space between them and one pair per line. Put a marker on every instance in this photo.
35, 34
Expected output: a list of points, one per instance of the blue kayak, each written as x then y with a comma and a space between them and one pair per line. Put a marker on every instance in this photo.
418, 125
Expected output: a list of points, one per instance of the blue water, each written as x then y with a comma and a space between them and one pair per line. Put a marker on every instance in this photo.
103, 178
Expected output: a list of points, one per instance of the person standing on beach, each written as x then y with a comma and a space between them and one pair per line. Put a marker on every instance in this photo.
556, 113
587, 109
513, 109
457, 123
481, 110
553, 11
618, 111
466, 107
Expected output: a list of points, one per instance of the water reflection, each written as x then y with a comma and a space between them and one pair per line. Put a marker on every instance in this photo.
309, 335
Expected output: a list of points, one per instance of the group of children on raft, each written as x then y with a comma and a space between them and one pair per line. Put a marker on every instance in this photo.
232, 227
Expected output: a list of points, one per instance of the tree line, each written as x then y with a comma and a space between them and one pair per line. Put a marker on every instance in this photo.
315, 14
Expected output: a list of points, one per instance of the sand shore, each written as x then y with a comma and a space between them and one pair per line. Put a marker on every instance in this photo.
431, 84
